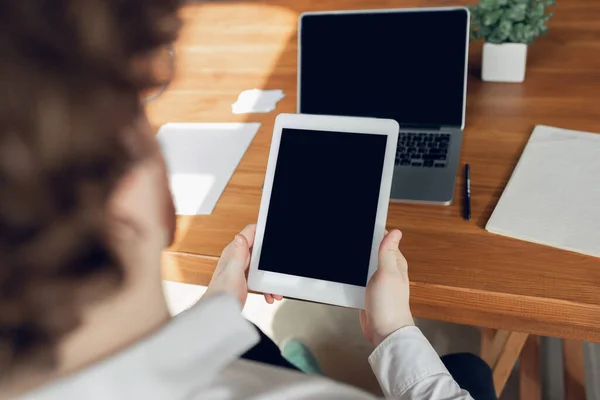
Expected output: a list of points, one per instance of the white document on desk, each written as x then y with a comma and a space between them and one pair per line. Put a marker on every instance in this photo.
553, 196
201, 158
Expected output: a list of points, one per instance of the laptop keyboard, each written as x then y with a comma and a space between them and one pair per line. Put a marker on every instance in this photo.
428, 150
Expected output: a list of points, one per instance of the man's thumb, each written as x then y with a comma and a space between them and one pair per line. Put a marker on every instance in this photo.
388, 250
239, 254
240, 241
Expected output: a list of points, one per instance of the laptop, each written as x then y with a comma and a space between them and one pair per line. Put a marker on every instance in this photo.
406, 64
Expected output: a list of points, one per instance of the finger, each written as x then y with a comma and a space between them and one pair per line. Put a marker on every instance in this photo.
362, 317
238, 241
241, 241
392, 239
364, 325
269, 298
388, 251
277, 297
249, 232
236, 256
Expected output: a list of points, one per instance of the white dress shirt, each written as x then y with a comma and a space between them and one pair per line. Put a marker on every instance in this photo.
196, 356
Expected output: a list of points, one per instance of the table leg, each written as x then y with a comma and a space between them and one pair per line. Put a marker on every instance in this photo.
507, 359
574, 370
487, 339
501, 353
494, 346
529, 372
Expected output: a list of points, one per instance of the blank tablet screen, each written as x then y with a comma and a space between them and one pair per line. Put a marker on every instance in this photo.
323, 205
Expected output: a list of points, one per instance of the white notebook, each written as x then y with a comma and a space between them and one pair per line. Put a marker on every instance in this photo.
553, 196
201, 158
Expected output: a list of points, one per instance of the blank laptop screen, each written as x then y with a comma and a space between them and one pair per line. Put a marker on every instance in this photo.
407, 66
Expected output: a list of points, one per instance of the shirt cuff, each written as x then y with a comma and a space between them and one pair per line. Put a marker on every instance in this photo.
403, 359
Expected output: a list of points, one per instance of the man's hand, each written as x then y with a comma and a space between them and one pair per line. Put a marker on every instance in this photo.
230, 274
387, 306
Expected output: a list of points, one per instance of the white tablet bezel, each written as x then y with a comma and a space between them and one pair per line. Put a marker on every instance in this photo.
308, 288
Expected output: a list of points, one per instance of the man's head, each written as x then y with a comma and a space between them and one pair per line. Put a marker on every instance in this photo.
75, 153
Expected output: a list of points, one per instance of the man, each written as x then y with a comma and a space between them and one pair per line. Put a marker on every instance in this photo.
85, 214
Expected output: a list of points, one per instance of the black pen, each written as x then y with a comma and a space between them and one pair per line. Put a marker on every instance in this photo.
467, 192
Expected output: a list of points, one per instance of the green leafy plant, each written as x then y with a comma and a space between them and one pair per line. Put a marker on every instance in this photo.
510, 21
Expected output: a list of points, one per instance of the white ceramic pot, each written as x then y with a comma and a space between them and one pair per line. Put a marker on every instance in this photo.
504, 62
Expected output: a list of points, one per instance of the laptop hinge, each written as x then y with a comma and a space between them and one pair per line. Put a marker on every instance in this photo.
449, 128
423, 127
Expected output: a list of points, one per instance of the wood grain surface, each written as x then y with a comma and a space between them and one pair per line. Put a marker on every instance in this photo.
459, 272
530, 384
574, 370
507, 358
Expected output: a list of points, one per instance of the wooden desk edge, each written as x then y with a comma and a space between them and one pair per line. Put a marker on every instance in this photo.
540, 316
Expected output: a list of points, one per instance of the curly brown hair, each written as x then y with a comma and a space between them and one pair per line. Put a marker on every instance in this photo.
71, 76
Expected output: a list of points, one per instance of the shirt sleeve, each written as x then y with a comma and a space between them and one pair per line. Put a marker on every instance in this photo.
408, 368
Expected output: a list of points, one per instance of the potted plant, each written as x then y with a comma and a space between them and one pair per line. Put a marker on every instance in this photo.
508, 27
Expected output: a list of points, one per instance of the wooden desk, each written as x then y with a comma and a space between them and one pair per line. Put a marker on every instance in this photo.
459, 272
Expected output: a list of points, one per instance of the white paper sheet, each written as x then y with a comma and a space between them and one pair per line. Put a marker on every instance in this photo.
553, 196
257, 101
201, 158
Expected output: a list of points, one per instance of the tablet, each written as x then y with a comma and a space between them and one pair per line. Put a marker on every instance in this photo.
324, 207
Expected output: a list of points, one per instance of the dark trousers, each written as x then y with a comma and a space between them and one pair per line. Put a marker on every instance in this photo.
472, 374
469, 371
267, 352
